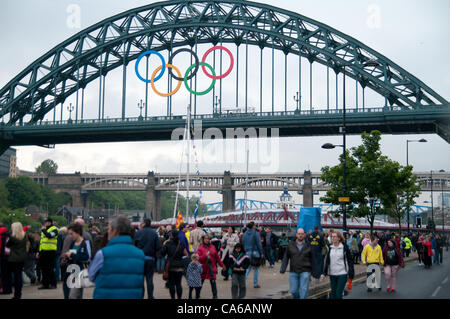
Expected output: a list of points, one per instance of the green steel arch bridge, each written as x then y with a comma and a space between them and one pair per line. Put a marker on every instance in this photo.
33, 103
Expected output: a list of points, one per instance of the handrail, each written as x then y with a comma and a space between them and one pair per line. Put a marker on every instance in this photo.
231, 115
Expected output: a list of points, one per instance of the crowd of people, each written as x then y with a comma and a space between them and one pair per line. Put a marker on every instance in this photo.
196, 255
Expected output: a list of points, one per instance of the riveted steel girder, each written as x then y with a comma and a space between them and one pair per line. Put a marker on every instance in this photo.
112, 42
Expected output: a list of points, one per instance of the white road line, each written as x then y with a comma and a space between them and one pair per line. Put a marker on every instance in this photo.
445, 281
436, 291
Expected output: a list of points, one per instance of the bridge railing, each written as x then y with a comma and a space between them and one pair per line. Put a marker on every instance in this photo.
230, 114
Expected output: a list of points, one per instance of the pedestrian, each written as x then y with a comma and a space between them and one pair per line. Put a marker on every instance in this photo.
67, 242
118, 269
6, 280
262, 236
194, 276
414, 239
382, 239
271, 245
439, 250
419, 247
393, 259
407, 246
372, 254
29, 267
47, 254
229, 240
433, 246
176, 252
168, 231
59, 245
252, 245
196, 235
188, 235
147, 239
237, 266
303, 264
182, 236
78, 254
366, 240
427, 252
19, 246
214, 241
338, 265
209, 258
317, 243
355, 249
360, 246
160, 259
283, 242
37, 240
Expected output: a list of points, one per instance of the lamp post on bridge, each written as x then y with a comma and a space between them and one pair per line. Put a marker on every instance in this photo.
218, 101
70, 109
141, 105
297, 98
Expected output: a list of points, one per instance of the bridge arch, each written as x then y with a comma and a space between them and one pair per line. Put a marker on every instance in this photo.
118, 40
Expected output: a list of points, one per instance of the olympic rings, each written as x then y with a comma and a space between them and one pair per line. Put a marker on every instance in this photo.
139, 60
229, 69
196, 63
203, 64
170, 66
187, 77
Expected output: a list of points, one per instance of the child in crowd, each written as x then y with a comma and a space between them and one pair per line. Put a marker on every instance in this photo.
238, 264
193, 276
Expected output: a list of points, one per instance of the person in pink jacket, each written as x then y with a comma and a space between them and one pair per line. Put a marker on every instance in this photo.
209, 258
366, 240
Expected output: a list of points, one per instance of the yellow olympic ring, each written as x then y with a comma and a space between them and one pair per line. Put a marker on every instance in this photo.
153, 82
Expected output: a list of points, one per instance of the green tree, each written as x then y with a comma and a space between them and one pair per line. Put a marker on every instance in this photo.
4, 203
409, 190
59, 220
22, 192
9, 216
371, 178
48, 167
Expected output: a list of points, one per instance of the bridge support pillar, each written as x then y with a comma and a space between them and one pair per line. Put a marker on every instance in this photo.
228, 195
153, 198
308, 197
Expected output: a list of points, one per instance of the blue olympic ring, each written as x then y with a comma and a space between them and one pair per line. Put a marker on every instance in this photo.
139, 60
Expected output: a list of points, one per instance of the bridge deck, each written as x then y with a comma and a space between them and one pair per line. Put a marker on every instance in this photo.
422, 120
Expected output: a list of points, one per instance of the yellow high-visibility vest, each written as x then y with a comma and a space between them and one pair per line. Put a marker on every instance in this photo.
48, 244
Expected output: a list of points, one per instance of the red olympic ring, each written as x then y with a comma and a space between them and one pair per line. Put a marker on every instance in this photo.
229, 69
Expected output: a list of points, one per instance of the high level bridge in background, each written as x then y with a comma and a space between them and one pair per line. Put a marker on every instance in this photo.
80, 185
33, 104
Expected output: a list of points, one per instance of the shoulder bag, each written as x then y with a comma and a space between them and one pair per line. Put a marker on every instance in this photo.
166, 267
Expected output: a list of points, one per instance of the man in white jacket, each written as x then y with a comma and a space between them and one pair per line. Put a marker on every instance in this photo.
229, 240
195, 237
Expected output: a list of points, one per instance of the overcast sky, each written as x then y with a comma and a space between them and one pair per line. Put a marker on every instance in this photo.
413, 34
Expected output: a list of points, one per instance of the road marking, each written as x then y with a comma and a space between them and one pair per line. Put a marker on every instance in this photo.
445, 281
436, 291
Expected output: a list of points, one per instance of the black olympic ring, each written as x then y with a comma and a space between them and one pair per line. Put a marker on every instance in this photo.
197, 65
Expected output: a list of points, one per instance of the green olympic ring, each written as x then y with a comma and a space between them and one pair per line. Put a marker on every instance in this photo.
189, 70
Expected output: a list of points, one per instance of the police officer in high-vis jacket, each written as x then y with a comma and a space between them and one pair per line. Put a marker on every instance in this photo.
47, 254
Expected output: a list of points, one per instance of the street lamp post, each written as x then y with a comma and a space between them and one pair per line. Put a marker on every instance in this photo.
407, 164
344, 182
442, 201
344, 175
432, 205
